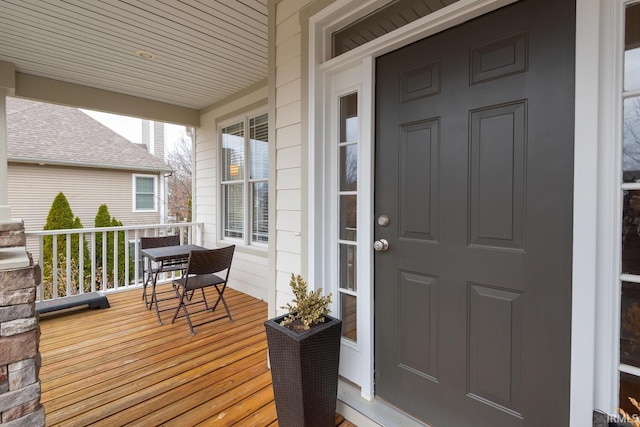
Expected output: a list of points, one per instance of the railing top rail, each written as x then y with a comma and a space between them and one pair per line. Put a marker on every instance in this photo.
117, 228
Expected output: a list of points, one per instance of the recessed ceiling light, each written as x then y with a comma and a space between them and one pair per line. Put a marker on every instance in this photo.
144, 54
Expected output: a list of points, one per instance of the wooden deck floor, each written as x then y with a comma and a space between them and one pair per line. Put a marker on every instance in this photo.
118, 366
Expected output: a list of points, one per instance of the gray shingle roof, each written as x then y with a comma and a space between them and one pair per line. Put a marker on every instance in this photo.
48, 133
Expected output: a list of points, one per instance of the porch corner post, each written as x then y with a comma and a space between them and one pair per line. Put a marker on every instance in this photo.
7, 88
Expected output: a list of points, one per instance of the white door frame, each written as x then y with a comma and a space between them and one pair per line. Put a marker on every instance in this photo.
589, 117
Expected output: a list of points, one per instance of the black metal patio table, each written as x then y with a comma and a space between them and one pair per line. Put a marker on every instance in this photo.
162, 254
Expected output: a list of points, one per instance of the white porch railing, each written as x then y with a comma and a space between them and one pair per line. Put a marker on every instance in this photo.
71, 275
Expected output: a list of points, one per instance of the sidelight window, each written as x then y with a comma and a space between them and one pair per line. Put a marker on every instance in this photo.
347, 206
629, 363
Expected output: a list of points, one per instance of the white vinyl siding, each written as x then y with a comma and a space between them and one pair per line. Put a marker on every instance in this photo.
289, 151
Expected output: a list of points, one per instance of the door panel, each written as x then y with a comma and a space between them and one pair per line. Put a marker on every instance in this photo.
474, 155
419, 181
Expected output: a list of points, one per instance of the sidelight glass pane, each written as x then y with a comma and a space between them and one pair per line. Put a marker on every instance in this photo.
233, 210
632, 48
631, 232
631, 140
630, 324
233, 152
348, 215
349, 168
349, 118
260, 201
259, 147
629, 387
348, 314
348, 267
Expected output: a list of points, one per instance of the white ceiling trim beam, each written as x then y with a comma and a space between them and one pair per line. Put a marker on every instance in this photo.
74, 95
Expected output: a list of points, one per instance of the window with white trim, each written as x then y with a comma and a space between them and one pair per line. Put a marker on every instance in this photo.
144, 193
629, 363
245, 180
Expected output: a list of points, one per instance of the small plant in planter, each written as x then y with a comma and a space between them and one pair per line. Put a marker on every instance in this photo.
308, 309
304, 351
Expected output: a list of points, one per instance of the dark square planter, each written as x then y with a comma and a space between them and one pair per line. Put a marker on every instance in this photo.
304, 372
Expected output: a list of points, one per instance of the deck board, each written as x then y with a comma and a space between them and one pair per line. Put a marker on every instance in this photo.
118, 366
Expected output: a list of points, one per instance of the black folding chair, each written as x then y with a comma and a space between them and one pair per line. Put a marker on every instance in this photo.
209, 268
153, 269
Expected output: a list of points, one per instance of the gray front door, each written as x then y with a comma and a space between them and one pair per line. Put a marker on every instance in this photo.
474, 168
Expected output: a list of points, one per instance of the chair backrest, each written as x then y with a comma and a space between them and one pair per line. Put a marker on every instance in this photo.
210, 260
159, 242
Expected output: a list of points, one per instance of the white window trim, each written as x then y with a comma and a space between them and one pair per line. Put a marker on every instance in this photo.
609, 206
356, 361
246, 240
134, 192
590, 382
606, 209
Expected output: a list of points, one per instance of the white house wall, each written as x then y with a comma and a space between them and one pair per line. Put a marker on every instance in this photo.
250, 266
287, 77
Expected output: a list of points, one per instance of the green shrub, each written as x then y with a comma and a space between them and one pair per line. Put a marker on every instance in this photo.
103, 219
61, 217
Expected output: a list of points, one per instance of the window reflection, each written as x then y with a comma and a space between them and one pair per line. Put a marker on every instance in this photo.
349, 118
233, 211
629, 387
632, 48
348, 267
349, 316
631, 232
233, 152
348, 217
631, 140
349, 167
259, 147
260, 214
630, 324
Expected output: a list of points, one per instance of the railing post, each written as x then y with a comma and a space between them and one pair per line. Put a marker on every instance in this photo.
40, 296
81, 263
69, 291
127, 257
136, 256
93, 261
54, 267
104, 260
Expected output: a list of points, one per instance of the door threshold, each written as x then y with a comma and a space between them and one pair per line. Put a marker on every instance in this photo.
374, 413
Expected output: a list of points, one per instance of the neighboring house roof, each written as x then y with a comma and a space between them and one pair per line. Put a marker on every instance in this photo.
52, 134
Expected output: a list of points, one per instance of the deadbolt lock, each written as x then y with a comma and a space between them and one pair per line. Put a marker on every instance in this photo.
383, 220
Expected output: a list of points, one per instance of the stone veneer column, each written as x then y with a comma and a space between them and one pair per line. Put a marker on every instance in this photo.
19, 337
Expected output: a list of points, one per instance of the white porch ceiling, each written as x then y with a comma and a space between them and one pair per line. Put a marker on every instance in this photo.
206, 50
